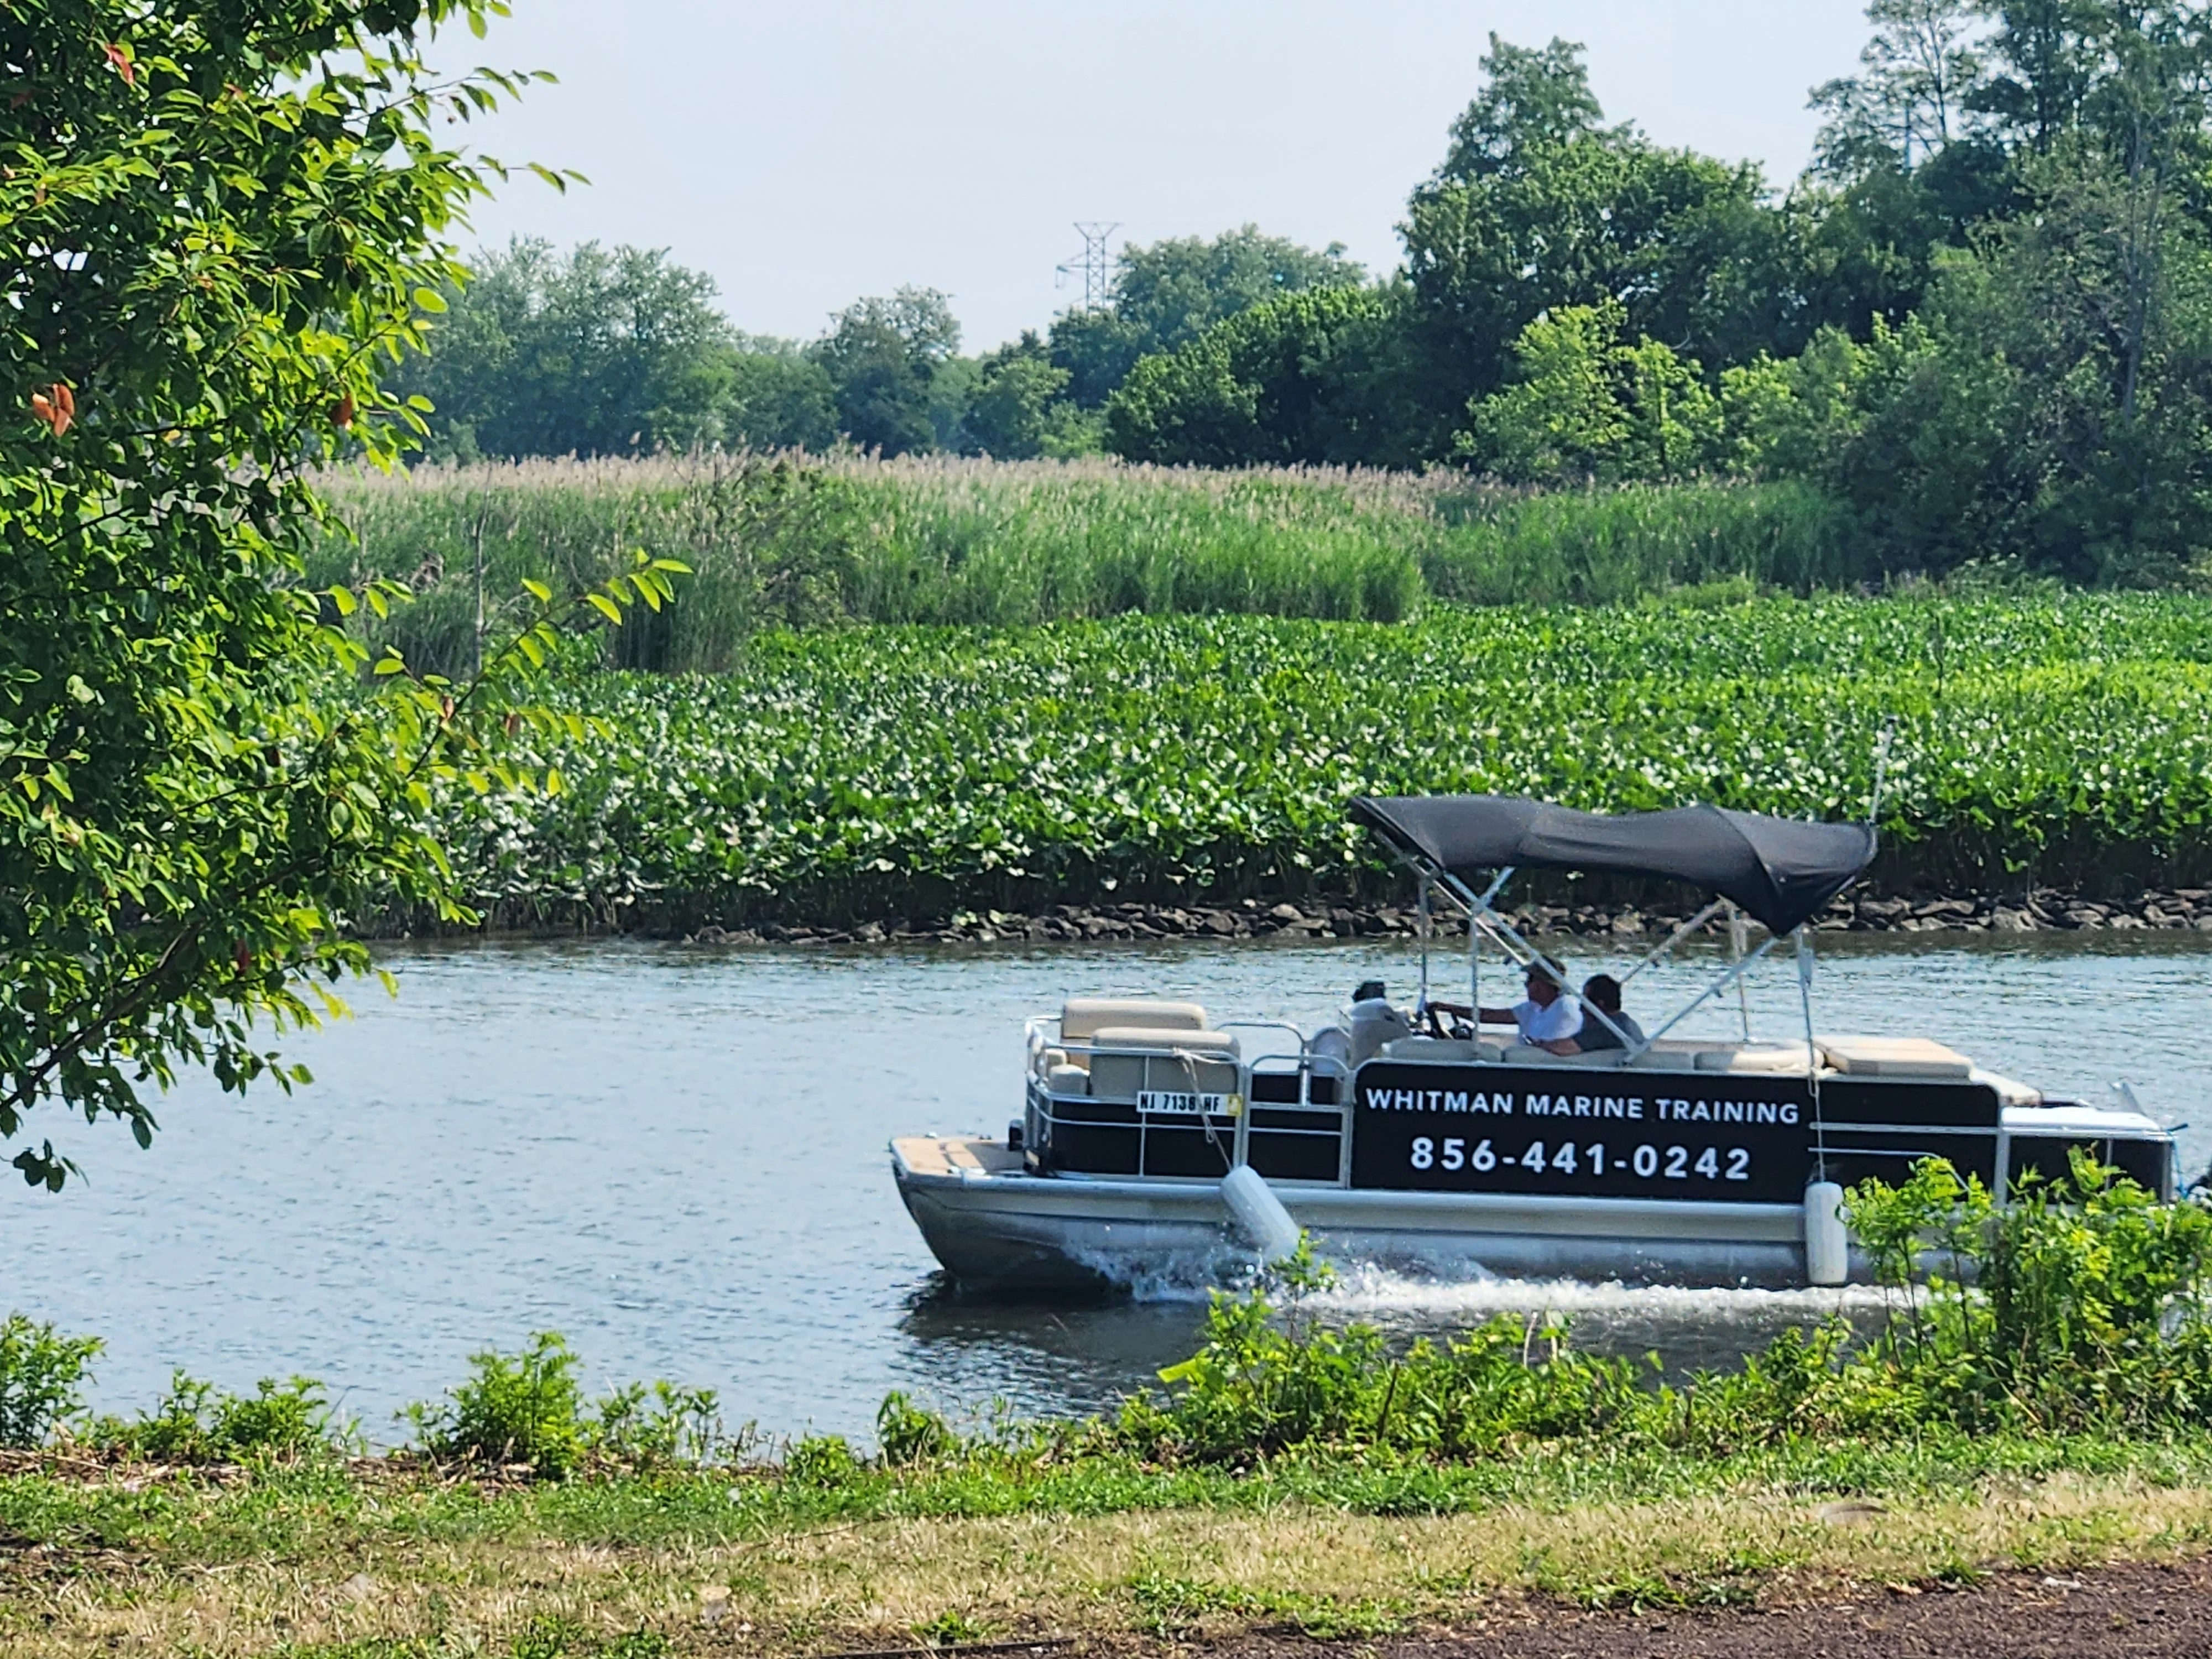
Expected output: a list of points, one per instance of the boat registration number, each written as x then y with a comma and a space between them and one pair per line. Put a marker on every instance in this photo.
1172, 1103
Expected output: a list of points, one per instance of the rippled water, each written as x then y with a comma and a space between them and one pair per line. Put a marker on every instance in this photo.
676, 1157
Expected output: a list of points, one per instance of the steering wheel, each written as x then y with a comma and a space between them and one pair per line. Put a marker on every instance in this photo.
1442, 1024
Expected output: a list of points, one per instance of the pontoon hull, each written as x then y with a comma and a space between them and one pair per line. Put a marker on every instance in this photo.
994, 1228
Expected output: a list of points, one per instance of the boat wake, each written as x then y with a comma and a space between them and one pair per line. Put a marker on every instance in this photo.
1450, 1292
1368, 1289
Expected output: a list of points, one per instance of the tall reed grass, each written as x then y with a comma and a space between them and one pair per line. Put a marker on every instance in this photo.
800, 540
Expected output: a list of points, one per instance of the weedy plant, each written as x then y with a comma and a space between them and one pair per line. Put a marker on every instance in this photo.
2080, 1304
199, 1423
527, 1409
42, 1378
2078, 1308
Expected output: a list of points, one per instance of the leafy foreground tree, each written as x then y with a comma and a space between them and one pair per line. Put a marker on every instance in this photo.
219, 223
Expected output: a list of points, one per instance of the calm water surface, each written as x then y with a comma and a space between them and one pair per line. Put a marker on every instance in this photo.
677, 1157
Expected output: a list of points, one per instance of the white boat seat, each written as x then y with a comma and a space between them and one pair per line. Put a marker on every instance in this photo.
1867, 1056
1674, 1054
1446, 1050
1173, 1061
1067, 1080
1082, 1018
1756, 1058
1194, 1041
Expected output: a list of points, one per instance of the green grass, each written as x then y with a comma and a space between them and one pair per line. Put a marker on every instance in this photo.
374, 1561
862, 772
802, 541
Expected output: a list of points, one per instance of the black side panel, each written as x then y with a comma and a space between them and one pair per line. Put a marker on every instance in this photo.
1294, 1157
1092, 1149
1935, 1101
1281, 1088
1177, 1145
1856, 1155
1092, 1138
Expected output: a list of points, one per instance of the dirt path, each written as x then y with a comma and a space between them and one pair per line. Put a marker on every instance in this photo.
2140, 1612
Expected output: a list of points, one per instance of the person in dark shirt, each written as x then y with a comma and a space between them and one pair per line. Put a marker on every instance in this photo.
1601, 994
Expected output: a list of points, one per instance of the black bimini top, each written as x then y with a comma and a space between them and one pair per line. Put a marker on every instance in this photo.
1778, 870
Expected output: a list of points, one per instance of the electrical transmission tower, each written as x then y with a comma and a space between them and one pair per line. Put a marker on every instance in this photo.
1095, 264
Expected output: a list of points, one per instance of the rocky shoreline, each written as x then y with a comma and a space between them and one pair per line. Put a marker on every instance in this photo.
2042, 910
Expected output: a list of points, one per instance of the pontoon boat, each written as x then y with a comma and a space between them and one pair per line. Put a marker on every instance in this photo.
1409, 1139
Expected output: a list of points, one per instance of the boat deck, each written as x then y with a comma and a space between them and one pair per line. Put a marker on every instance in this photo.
955, 1155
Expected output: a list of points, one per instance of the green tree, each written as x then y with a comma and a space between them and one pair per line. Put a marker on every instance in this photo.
1019, 407
779, 399
596, 353
1170, 292
1588, 406
220, 224
1301, 380
1532, 99
885, 358
1536, 208
1918, 77
2044, 56
216, 222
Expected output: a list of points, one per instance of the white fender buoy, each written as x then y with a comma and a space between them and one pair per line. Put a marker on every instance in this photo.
1827, 1243
1259, 1215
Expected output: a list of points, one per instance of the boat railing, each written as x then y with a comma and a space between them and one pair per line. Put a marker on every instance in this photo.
1193, 1110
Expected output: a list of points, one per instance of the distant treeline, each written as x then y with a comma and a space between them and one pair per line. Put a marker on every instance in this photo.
796, 540
1980, 326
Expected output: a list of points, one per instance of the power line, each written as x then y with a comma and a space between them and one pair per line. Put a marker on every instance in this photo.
1095, 263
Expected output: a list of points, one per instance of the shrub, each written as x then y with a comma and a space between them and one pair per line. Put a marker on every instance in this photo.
522, 1408
2079, 1305
643, 1425
821, 1460
2078, 1308
907, 1433
528, 1408
42, 1375
197, 1423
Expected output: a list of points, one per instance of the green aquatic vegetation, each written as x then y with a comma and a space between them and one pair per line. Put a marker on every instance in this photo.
870, 773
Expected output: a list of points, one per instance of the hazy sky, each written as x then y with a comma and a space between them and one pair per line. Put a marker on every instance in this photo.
806, 153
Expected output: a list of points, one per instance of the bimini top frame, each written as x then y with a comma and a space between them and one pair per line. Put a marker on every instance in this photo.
1780, 871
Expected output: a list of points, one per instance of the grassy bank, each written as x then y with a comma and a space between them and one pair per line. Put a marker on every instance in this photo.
861, 774
383, 1563
798, 541
2053, 1419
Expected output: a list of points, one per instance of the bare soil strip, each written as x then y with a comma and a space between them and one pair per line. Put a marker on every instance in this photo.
2142, 1611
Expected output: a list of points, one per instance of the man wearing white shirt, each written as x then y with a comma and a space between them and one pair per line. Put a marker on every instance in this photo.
1550, 1018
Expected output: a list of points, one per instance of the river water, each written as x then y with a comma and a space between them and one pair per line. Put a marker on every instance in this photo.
676, 1156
